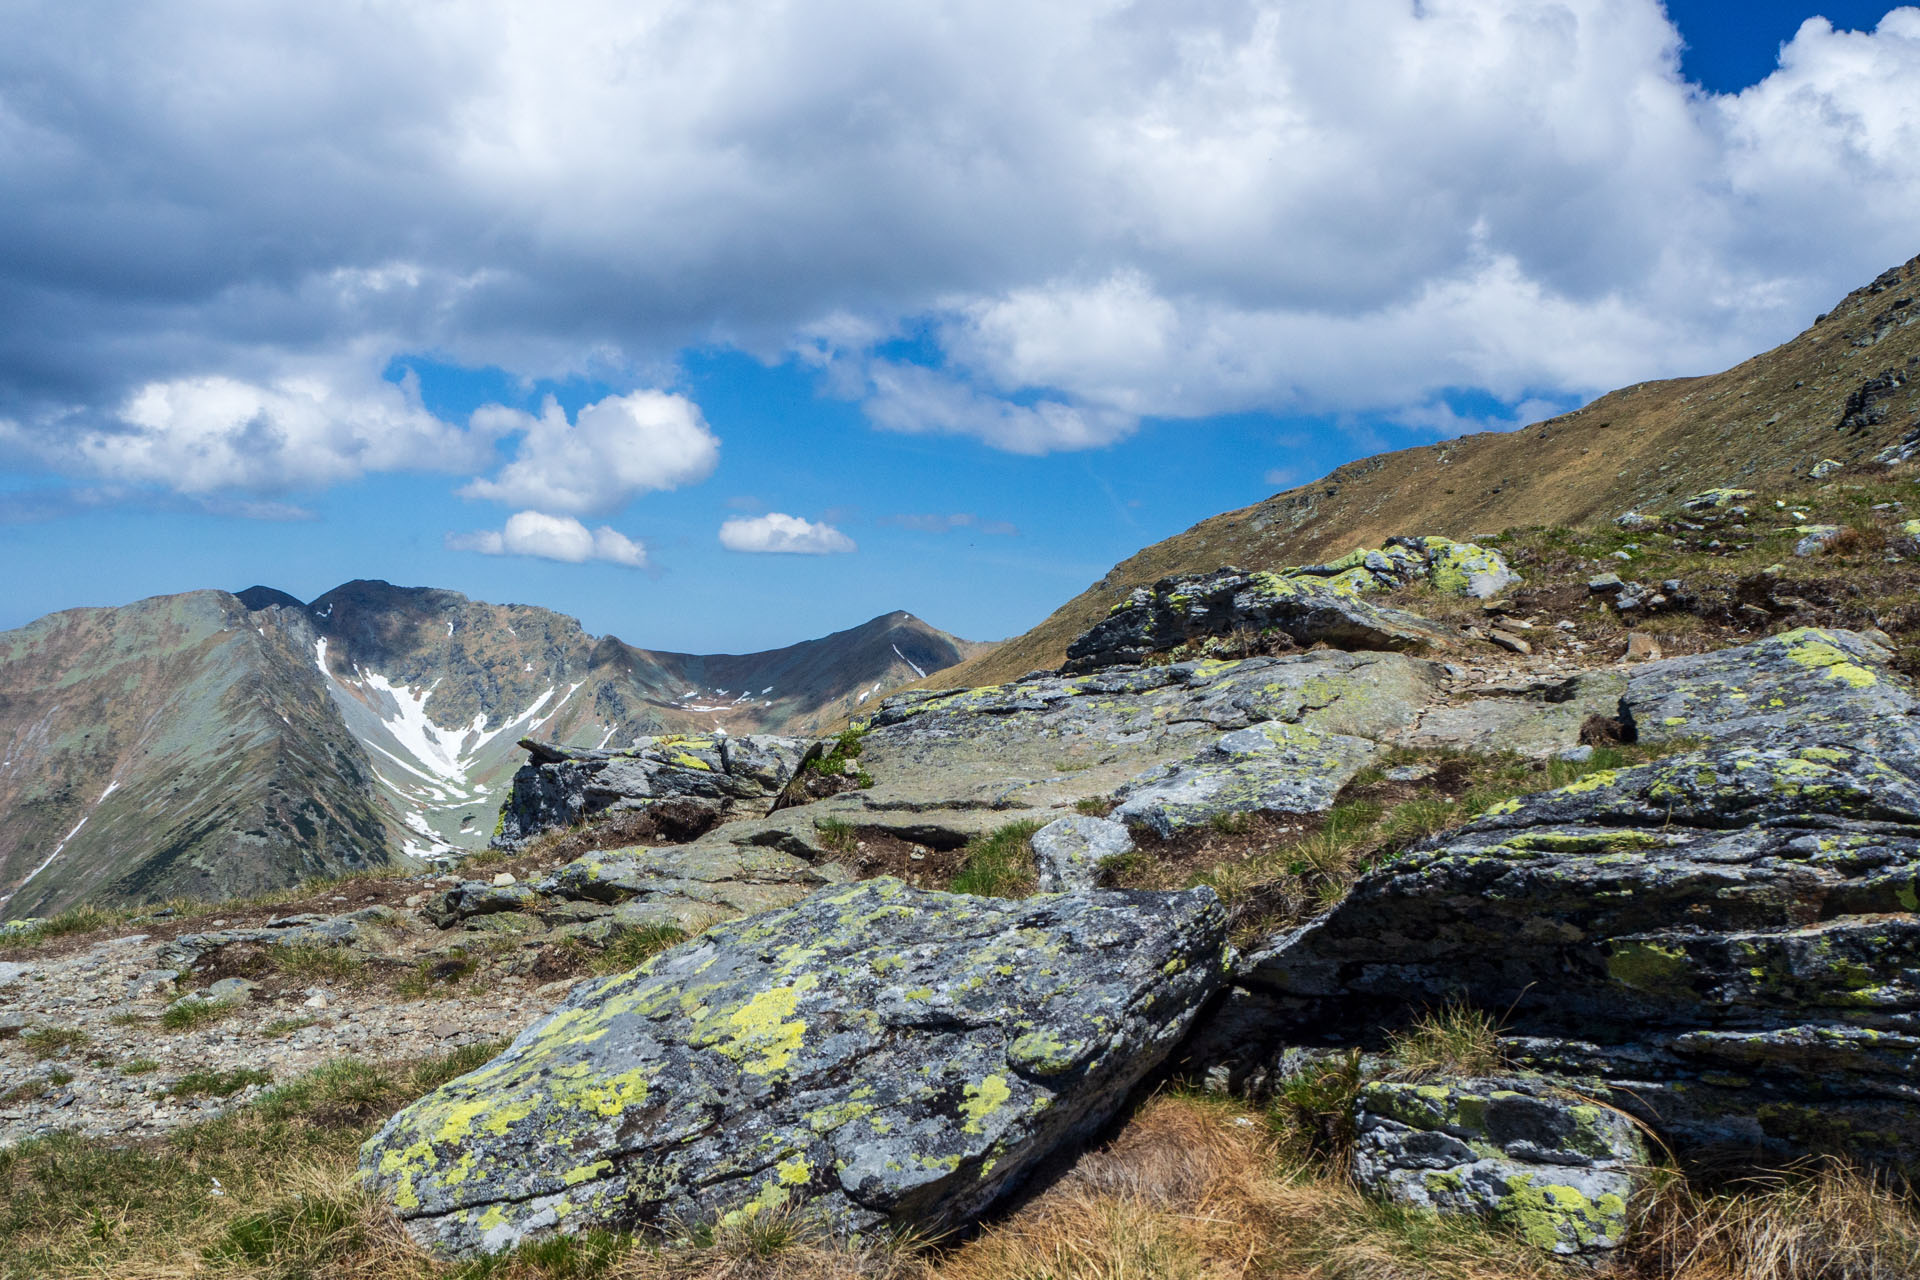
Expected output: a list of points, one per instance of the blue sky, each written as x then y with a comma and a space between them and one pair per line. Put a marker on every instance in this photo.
721, 329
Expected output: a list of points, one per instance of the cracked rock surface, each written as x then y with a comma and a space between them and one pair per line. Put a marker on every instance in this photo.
887, 1055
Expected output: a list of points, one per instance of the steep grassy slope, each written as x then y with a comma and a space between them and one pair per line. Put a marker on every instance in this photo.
1845, 389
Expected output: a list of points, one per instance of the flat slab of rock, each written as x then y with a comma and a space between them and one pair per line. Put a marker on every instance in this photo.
1555, 1169
1538, 722
1269, 768
688, 886
1308, 610
878, 1054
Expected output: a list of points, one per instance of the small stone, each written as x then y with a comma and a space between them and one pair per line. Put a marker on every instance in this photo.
504, 879
1604, 584
1823, 468
231, 991
316, 999
1409, 773
1819, 538
1622, 555
1565, 625
1642, 647
1510, 642
1576, 755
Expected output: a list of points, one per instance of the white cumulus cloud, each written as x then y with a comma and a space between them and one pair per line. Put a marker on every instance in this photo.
614, 449
549, 537
783, 533
1085, 213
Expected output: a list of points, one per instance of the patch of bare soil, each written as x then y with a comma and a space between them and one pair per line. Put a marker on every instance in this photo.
869, 853
1173, 863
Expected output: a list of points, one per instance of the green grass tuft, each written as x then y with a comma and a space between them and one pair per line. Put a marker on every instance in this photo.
1000, 865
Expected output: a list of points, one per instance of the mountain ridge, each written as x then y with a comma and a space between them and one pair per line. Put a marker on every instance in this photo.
212, 743
1845, 389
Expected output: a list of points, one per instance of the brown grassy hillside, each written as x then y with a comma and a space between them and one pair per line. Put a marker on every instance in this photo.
1766, 421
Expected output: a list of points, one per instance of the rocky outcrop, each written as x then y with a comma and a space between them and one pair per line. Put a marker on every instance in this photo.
560, 785
691, 886
1727, 936
879, 1055
1552, 1167
1305, 609
1270, 768
1457, 568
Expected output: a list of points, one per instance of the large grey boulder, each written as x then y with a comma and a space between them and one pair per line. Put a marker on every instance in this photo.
1306, 609
1270, 768
559, 786
1556, 1169
876, 1054
1727, 935
1801, 684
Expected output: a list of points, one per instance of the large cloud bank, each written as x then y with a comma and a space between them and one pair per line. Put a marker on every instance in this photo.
225, 219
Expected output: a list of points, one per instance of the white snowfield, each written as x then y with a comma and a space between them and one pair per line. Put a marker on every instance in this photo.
427, 768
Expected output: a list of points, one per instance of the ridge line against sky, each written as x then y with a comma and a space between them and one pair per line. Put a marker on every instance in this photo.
721, 326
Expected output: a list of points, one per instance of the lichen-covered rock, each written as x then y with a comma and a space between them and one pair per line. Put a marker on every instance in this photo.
1715, 499
475, 898
1068, 852
688, 886
1728, 935
1536, 720
874, 1053
1811, 682
1268, 768
946, 766
559, 785
1816, 539
1554, 1168
1307, 610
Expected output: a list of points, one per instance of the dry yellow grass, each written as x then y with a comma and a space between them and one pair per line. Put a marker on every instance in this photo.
1190, 1188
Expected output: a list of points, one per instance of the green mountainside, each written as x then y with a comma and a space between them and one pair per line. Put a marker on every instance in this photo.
1845, 390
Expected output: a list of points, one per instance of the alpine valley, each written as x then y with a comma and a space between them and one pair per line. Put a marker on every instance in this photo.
216, 744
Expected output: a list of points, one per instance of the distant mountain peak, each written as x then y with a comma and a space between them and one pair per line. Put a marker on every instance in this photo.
257, 598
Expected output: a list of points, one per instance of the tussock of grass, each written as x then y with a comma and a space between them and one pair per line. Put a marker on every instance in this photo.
139, 1067
76, 920
1000, 865
840, 837
216, 1084
52, 1042
1827, 1222
1095, 806
186, 1015
636, 946
1453, 1040
308, 962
